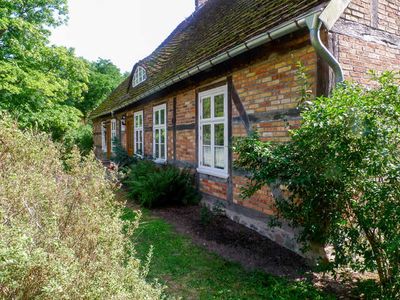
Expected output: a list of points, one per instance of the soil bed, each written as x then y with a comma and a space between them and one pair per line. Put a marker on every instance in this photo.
234, 242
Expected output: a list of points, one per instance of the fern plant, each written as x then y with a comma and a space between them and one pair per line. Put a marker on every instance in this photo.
152, 185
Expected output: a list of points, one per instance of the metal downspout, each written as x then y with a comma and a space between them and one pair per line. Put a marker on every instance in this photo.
314, 25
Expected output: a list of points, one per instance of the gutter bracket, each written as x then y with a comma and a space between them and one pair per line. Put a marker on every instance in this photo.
314, 24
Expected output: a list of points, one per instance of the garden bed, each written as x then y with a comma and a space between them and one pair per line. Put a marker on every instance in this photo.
234, 242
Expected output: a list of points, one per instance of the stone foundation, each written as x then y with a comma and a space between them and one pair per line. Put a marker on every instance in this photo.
259, 222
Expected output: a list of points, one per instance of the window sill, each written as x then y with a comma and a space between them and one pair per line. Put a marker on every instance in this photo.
220, 174
160, 161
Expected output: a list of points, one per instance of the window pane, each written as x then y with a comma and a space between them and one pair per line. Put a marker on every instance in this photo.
157, 154
207, 108
140, 120
219, 157
162, 136
162, 151
157, 117
162, 113
219, 134
207, 156
219, 106
207, 134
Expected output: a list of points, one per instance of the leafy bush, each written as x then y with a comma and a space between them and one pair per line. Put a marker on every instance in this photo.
61, 232
82, 137
153, 185
342, 171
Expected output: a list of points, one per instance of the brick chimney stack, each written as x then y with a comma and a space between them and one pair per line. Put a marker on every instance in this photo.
199, 3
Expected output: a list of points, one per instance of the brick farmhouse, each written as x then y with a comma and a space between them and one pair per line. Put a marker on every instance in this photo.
231, 67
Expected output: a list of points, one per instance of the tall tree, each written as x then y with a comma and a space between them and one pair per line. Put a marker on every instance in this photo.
39, 84
104, 76
46, 86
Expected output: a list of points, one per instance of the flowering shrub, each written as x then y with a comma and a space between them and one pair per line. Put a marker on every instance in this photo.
61, 232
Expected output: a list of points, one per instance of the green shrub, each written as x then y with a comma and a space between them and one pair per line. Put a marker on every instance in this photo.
152, 185
120, 155
342, 169
61, 236
82, 137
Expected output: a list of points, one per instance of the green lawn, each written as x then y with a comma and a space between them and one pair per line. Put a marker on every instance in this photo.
192, 272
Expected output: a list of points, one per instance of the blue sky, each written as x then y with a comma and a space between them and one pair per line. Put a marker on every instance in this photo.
123, 31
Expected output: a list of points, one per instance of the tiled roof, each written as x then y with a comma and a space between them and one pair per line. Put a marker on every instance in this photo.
214, 28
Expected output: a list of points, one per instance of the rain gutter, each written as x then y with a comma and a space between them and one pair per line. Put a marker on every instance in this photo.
309, 20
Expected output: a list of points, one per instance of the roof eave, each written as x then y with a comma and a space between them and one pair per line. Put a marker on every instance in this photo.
263, 38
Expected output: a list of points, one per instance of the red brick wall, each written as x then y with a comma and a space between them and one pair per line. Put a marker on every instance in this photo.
367, 47
359, 11
262, 201
265, 85
214, 188
186, 107
186, 146
389, 16
271, 85
357, 57
380, 14
186, 116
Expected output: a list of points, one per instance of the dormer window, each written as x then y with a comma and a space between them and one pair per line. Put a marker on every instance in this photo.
139, 76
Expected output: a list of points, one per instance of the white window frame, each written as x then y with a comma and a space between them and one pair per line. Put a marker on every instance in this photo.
138, 130
222, 173
103, 137
160, 126
139, 76
113, 133
122, 123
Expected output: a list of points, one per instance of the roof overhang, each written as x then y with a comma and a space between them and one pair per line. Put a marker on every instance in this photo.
327, 13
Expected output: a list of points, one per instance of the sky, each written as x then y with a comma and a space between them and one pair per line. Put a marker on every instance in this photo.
123, 31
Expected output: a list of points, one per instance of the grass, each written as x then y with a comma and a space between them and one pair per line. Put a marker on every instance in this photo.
192, 272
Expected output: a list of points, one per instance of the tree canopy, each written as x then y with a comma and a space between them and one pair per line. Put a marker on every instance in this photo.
42, 85
104, 76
